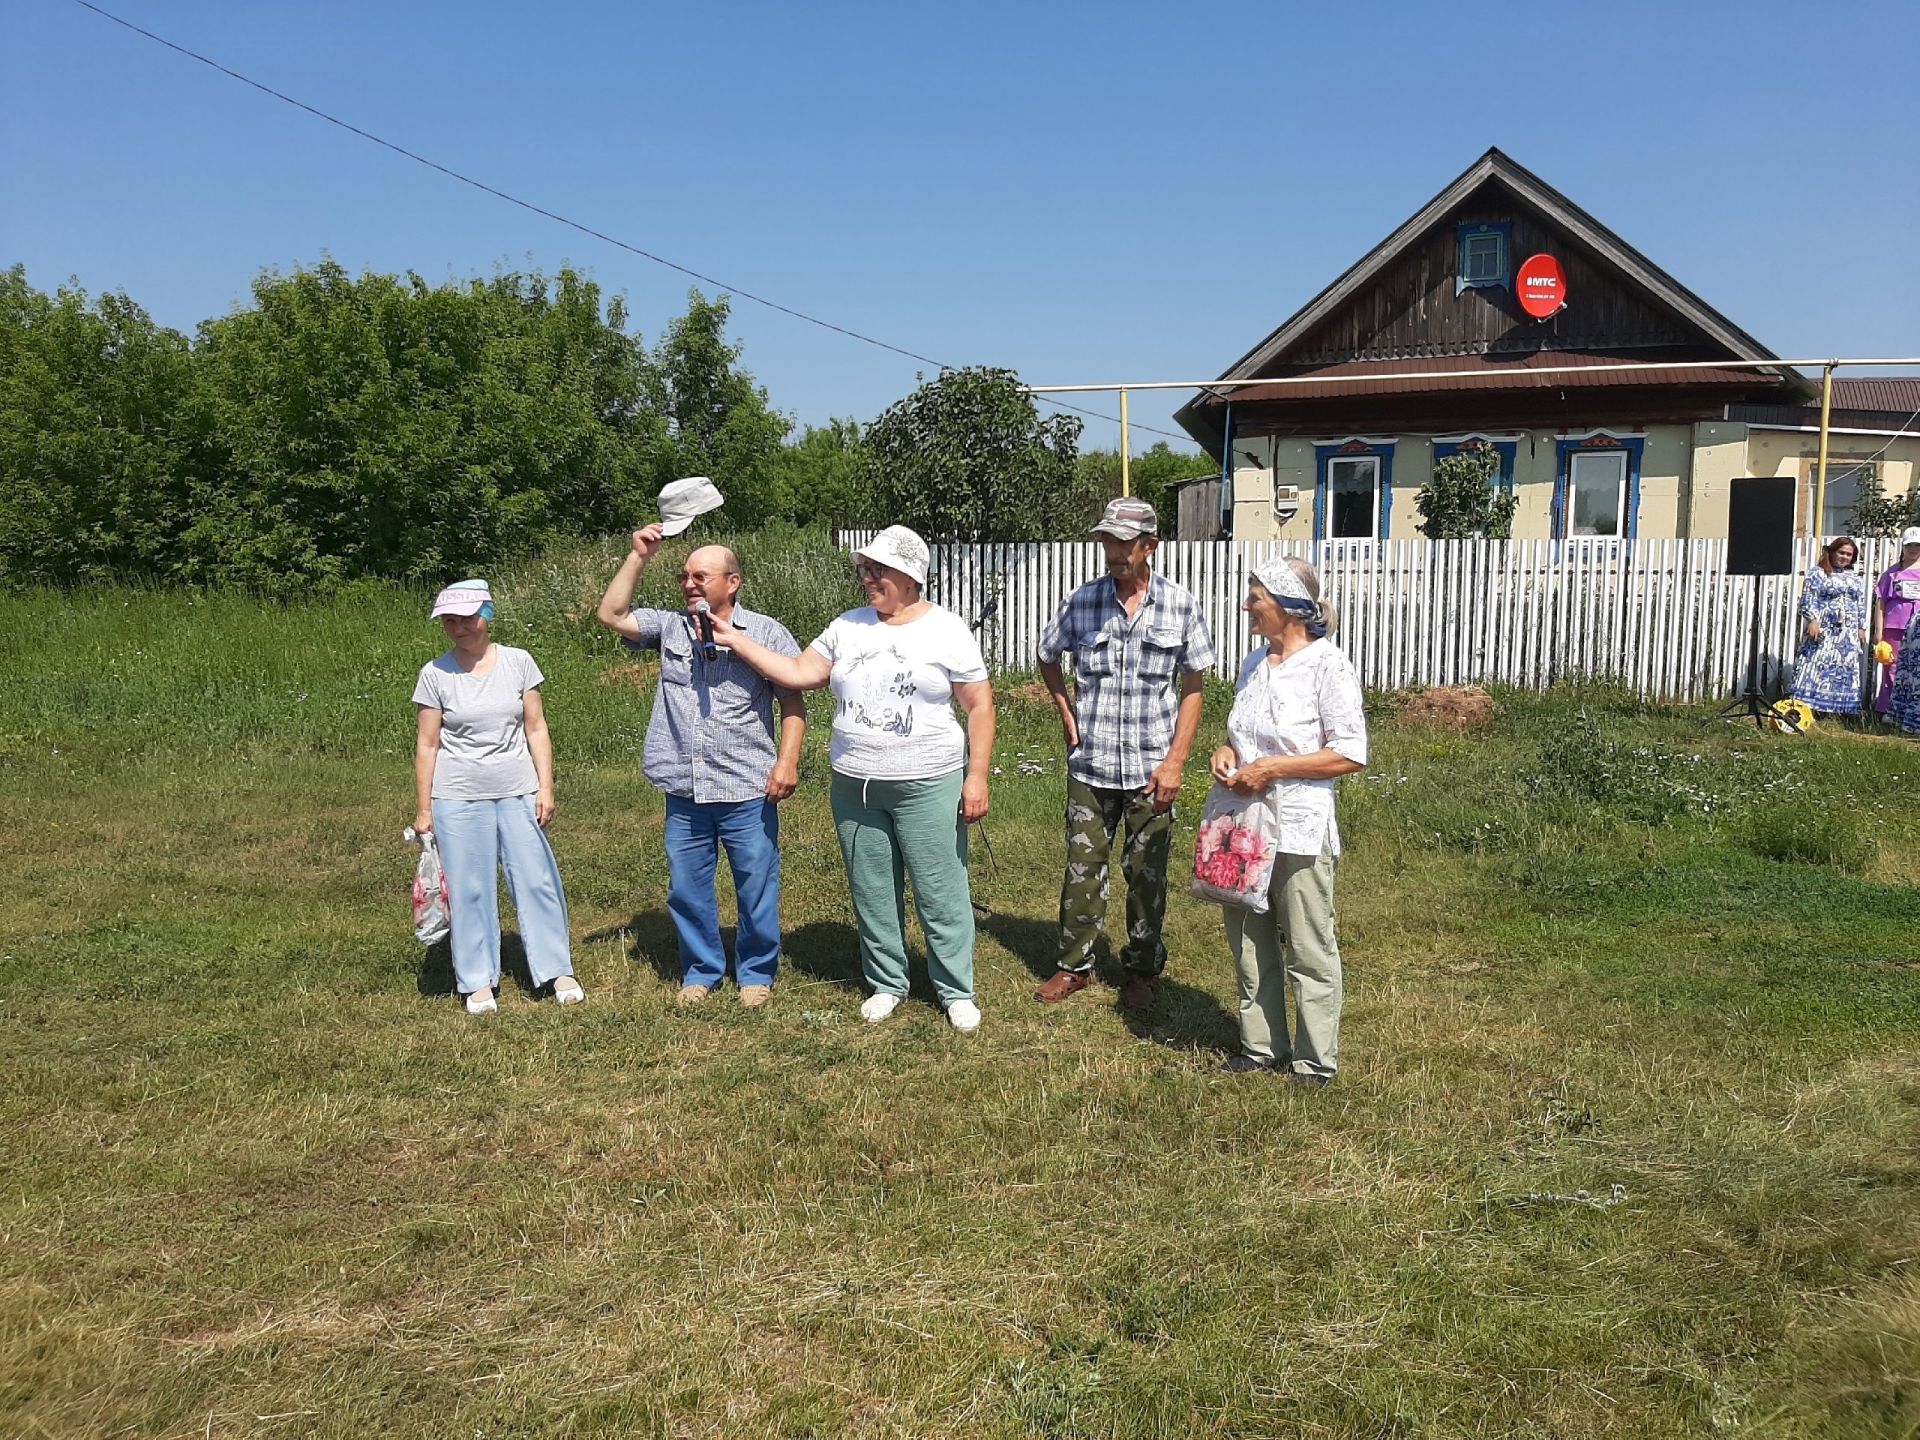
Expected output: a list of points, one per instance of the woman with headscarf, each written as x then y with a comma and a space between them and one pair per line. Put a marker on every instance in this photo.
1895, 598
483, 784
1833, 631
1297, 724
907, 779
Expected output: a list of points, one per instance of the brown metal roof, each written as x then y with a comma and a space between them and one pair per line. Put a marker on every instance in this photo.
1493, 372
1899, 393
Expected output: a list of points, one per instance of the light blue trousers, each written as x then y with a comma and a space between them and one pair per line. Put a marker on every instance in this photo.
477, 838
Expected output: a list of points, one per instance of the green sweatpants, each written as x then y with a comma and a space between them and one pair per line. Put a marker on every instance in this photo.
892, 829
1291, 948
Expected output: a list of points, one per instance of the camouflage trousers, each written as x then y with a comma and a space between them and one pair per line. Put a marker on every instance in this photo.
1094, 814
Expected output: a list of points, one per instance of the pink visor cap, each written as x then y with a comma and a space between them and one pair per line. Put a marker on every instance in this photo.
469, 597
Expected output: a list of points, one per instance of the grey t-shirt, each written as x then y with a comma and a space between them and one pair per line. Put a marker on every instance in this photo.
483, 735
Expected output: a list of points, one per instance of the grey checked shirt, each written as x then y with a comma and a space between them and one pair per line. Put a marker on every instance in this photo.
712, 738
1124, 673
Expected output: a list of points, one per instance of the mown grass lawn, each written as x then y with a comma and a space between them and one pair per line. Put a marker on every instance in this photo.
1624, 1142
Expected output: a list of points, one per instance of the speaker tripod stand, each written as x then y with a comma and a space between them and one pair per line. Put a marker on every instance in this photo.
1751, 704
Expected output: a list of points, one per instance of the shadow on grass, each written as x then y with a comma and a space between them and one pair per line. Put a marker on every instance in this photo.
435, 979
1181, 1016
651, 940
829, 950
1184, 1017
1034, 943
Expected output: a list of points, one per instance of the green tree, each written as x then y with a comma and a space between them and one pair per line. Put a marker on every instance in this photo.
967, 456
94, 452
718, 420
380, 426
824, 477
1879, 515
1462, 499
1151, 475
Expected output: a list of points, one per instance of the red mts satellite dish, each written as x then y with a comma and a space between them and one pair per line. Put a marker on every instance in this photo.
1542, 286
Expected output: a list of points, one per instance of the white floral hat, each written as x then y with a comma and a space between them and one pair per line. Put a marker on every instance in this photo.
900, 548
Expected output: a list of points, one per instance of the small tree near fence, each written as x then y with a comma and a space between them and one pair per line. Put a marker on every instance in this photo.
1878, 514
967, 456
1462, 500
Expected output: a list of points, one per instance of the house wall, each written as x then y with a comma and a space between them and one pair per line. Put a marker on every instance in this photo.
1797, 453
1667, 472
1719, 458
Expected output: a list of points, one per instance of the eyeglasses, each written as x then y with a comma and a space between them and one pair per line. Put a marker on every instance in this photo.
870, 571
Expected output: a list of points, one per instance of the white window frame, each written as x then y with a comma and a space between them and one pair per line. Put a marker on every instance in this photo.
1623, 460
1373, 520
1837, 465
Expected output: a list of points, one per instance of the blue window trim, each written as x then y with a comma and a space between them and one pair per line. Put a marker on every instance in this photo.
1508, 451
1346, 449
1226, 475
1563, 453
1502, 228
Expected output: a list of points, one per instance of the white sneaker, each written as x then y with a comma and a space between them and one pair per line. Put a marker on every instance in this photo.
964, 1016
567, 991
876, 1008
481, 1002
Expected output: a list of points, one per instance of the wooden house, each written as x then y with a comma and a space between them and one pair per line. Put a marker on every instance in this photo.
1443, 337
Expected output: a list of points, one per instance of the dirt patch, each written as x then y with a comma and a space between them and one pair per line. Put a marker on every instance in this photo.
1033, 692
1447, 707
640, 674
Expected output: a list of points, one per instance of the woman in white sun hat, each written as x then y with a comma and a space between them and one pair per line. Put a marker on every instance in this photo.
483, 784
906, 778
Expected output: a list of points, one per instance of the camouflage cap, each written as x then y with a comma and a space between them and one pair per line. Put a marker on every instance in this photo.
1127, 519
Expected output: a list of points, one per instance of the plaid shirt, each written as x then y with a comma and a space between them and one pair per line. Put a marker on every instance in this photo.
1124, 673
712, 738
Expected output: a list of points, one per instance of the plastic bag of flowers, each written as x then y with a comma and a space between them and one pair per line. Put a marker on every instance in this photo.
1233, 853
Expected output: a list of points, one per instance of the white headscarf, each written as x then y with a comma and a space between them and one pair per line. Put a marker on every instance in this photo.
1290, 593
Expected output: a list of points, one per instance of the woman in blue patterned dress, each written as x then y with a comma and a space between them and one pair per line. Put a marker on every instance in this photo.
1833, 631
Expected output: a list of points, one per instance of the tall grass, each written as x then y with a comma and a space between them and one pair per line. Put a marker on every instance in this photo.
1626, 1140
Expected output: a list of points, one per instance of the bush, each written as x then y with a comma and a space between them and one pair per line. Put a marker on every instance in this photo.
1796, 834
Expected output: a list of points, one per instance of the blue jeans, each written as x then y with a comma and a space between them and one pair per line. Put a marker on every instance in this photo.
750, 831
477, 837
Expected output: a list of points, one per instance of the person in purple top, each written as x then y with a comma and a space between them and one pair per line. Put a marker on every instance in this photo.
1894, 600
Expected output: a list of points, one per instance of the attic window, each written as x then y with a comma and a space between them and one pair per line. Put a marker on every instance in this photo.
1483, 256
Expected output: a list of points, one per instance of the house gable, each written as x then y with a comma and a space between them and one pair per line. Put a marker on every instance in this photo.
1413, 307
1400, 305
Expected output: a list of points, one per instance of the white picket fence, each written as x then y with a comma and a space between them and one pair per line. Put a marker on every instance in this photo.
1660, 616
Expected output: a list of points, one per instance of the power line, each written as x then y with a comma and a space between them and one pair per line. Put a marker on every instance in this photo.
552, 215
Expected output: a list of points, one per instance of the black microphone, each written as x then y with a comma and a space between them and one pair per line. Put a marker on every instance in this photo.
708, 651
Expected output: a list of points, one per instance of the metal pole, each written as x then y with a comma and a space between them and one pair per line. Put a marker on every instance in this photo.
1820, 476
1908, 361
1124, 475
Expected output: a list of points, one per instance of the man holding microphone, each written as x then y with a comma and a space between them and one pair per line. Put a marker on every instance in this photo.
713, 750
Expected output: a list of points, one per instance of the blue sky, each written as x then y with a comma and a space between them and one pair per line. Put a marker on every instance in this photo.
1082, 192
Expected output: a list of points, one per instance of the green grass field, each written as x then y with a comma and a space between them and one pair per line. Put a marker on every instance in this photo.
1624, 1142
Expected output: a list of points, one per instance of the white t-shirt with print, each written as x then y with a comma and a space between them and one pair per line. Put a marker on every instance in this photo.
893, 685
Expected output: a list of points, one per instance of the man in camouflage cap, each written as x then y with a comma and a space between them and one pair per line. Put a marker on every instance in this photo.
1136, 638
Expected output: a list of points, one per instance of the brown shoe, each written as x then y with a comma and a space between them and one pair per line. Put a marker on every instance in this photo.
1138, 992
691, 994
1063, 984
752, 997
